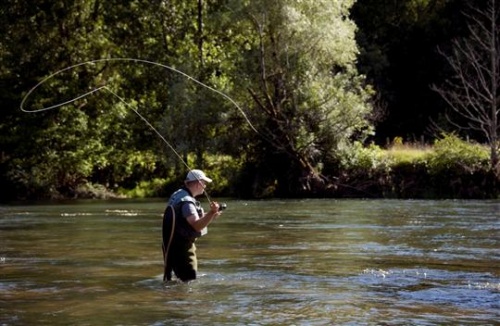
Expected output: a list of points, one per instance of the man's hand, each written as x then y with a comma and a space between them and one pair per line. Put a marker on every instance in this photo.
215, 208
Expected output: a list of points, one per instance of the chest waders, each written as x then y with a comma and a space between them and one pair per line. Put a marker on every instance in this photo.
168, 228
179, 250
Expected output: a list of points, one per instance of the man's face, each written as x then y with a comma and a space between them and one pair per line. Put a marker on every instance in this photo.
202, 185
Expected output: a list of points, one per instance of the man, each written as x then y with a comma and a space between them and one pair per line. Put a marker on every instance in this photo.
184, 221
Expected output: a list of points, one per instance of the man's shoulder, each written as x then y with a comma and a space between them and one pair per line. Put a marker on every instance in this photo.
180, 197
188, 199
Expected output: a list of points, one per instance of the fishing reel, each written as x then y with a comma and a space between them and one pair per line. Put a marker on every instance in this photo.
222, 206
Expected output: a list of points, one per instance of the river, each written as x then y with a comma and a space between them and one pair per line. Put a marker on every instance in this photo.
270, 262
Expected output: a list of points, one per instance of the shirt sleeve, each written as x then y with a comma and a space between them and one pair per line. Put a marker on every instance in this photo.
189, 209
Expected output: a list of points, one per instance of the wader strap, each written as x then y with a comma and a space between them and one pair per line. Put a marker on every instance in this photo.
167, 247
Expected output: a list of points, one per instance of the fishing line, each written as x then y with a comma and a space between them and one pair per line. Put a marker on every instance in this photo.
155, 130
100, 88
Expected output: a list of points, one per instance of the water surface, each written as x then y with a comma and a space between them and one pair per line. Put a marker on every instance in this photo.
276, 262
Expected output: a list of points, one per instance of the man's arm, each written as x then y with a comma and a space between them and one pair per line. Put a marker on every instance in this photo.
199, 223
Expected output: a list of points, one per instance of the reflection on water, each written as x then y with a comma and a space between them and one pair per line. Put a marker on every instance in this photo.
310, 262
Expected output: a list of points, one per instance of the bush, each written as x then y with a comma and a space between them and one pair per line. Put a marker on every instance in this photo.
358, 171
360, 158
451, 154
451, 168
145, 189
222, 169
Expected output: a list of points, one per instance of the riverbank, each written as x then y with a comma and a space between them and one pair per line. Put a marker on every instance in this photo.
449, 169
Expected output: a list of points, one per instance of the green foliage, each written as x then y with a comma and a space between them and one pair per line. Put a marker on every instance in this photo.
304, 94
94, 191
145, 189
224, 170
452, 153
289, 65
407, 153
363, 158
451, 168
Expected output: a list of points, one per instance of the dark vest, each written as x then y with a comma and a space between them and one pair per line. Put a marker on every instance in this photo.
182, 227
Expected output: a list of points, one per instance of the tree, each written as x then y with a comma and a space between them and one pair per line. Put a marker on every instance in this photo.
95, 138
474, 93
297, 65
192, 43
46, 151
288, 63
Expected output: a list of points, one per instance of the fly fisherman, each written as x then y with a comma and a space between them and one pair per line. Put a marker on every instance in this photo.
183, 221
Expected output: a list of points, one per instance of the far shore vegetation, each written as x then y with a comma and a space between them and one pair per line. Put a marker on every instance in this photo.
272, 99
449, 168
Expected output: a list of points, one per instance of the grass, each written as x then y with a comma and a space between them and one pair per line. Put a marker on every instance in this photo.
405, 153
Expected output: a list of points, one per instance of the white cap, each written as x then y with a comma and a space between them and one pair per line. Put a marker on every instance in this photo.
197, 175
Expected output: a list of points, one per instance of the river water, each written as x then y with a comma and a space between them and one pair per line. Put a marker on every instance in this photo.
275, 262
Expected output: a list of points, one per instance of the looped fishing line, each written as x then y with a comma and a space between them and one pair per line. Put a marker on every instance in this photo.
105, 88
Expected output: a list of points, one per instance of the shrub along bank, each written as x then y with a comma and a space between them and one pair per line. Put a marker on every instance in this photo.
450, 168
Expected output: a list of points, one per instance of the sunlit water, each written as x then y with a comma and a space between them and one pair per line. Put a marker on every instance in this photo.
309, 262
